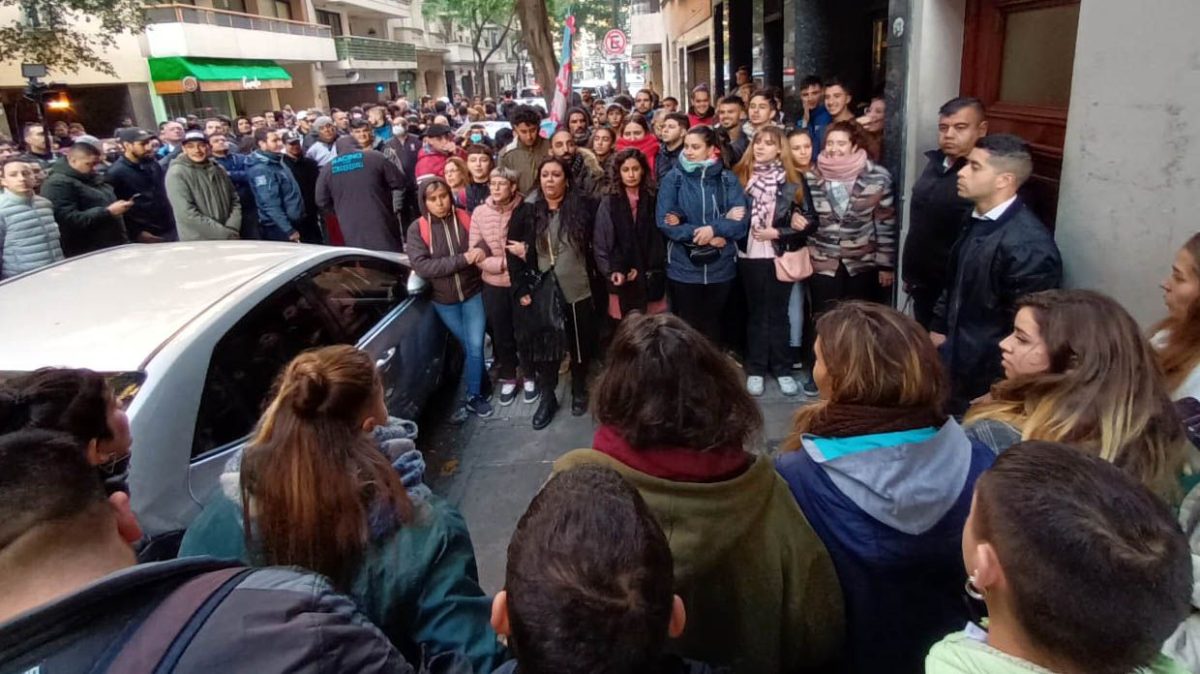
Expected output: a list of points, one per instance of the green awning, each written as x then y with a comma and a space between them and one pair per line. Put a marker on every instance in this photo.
173, 68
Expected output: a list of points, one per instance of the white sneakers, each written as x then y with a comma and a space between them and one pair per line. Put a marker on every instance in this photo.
788, 385
754, 385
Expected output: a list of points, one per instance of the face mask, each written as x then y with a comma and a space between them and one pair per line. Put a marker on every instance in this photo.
476, 138
399, 130
112, 156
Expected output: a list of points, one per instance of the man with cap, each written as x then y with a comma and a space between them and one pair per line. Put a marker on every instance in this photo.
325, 134
202, 195
276, 192
137, 177
358, 187
305, 171
438, 147
406, 143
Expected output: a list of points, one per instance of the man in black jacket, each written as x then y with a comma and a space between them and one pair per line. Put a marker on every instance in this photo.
1004, 253
357, 187
674, 128
88, 214
136, 176
938, 212
305, 171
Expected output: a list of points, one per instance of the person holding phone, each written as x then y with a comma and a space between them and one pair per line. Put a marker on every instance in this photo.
139, 178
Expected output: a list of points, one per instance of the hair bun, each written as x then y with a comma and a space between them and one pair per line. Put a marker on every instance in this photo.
310, 389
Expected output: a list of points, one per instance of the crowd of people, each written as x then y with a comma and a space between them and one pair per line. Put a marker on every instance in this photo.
1002, 482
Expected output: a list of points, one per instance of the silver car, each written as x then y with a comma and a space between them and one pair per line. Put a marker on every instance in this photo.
193, 335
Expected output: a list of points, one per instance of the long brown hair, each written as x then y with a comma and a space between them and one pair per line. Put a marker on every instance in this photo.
311, 477
1103, 390
665, 384
1181, 352
744, 169
874, 356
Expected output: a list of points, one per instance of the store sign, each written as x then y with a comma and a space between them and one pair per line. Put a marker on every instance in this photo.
251, 84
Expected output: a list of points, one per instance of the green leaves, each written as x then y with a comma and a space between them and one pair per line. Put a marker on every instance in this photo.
68, 34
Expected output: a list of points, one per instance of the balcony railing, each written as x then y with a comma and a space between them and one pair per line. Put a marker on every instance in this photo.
220, 17
373, 49
409, 34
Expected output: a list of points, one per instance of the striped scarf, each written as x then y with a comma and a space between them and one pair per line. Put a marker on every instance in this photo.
761, 188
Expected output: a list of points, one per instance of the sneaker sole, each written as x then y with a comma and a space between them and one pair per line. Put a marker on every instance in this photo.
506, 403
530, 401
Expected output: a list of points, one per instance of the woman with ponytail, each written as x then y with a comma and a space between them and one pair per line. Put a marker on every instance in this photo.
701, 209
313, 489
780, 214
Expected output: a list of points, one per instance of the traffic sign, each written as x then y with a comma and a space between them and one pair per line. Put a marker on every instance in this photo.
615, 42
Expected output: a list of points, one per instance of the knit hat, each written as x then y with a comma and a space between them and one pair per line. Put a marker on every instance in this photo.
322, 122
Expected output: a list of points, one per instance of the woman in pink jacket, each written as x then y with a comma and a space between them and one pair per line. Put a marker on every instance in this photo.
489, 232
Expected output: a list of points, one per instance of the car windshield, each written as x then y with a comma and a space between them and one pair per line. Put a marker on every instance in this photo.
125, 385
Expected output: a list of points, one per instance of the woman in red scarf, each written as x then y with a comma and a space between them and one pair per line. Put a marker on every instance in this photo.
675, 422
635, 133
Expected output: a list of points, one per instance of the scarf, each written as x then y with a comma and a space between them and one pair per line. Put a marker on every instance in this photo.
762, 188
842, 169
677, 464
848, 420
632, 194
690, 166
648, 146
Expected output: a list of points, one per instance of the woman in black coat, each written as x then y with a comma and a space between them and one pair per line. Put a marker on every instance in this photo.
630, 252
550, 263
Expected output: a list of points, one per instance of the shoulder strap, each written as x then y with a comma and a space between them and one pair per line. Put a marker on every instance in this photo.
423, 224
164, 635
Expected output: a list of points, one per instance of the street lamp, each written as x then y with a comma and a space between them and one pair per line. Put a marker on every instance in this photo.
38, 91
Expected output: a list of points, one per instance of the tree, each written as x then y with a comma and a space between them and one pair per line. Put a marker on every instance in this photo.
65, 35
480, 17
539, 41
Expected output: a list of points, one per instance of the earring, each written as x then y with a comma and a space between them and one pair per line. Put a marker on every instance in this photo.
972, 591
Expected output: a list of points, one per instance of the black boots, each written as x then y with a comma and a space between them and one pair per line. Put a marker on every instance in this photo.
579, 404
545, 411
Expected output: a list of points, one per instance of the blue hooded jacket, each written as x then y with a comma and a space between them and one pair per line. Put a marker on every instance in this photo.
890, 509
276, 193
702, 197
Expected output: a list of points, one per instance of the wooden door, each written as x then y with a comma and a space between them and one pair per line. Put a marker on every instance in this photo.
1018, 56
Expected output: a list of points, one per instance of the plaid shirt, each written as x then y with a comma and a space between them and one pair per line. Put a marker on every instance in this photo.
863, 238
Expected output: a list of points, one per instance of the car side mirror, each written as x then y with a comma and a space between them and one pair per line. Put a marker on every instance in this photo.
418, 285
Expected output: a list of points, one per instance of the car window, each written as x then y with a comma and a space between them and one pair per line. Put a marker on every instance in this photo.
247, 359
359, 292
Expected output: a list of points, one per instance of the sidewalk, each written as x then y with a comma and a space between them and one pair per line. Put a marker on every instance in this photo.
491, 468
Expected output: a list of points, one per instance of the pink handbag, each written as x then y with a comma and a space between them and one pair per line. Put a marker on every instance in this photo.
794, 266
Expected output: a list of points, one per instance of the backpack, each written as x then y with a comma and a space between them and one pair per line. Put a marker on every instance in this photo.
425, 227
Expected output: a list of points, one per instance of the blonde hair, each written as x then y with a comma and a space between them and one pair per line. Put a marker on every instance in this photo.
874, 356
744, 169
1103, 390
1181, 352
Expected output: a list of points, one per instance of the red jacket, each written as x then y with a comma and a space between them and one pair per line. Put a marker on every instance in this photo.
431, 163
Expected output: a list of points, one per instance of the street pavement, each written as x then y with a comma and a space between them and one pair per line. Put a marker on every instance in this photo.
491, 468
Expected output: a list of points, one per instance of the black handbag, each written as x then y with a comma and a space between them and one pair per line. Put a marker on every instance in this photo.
702, 255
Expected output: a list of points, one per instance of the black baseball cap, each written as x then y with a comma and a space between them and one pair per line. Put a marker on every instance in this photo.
438, 130
133, 135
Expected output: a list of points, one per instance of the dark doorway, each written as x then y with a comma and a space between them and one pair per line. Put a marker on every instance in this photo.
1017, 58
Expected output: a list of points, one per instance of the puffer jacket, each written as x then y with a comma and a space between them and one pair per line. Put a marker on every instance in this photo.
204, 200
81, 211
443, 260
301, 625
701, 198
29, 236
489, 232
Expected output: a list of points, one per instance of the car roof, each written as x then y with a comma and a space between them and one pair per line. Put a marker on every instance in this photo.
112, 310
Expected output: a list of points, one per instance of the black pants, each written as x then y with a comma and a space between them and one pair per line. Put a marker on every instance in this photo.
701, 305
498, 304
825, 292
767, 327
582, 339
924, 298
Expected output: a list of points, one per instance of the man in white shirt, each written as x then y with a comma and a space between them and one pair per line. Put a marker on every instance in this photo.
1003, 254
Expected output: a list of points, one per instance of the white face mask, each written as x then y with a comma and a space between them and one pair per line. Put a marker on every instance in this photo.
399, 129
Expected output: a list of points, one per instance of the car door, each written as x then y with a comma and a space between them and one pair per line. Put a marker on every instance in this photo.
369, 298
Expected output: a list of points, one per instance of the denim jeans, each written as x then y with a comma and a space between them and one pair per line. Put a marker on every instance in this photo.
466, 321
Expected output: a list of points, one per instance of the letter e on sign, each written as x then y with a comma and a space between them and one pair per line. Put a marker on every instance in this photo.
615, 42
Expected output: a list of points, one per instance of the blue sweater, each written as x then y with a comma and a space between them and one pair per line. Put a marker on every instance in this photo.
890, 509
701, 198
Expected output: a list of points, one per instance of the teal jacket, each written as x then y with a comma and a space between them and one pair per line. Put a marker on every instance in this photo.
419, 584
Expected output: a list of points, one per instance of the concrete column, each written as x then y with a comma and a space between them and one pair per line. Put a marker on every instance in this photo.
772, 43
741, 36
812, 38
1127, 205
